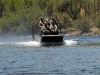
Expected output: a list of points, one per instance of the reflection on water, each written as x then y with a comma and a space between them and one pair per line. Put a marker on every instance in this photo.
76, 56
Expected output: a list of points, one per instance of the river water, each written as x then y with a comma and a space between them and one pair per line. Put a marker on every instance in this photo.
78, 55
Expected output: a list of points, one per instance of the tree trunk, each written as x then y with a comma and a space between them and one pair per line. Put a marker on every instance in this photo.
1, 8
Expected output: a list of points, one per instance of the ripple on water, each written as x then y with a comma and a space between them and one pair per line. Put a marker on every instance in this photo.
24, 58
92, 44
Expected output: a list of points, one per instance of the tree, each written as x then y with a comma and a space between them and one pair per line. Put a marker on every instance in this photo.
41, 4
71, 8
12, 5
98, 5
82, 25
1, 8
98, 22
49, 9
28, 2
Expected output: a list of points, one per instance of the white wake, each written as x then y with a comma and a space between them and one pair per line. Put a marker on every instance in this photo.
30, 43
35, 43
70, 42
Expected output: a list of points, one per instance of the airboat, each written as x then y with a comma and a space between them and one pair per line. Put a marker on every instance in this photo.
46, 37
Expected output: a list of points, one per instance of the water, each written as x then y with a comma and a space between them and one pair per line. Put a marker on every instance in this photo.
78, 55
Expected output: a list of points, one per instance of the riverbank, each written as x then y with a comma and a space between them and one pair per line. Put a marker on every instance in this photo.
73, 32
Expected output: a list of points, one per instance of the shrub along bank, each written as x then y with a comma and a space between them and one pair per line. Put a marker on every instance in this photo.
18, 16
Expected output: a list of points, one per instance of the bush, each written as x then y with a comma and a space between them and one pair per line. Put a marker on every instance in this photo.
98, 22
82, 25
66, 22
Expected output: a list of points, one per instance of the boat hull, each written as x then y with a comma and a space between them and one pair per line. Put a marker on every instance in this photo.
51, 38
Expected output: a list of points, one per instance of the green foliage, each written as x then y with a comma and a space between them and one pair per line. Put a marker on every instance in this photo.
41, 4
1, 8
82, 25
28, 3
12, 5
63, 7
98, 22
71, 8
66, 23
17, 16
49, 9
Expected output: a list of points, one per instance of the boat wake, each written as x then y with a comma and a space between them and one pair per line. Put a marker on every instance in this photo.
31, 43
35, 43
70, 42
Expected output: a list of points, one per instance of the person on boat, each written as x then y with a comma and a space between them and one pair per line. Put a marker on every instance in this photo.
51, 25
47, 27
41, 25
54, 26
55, 29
